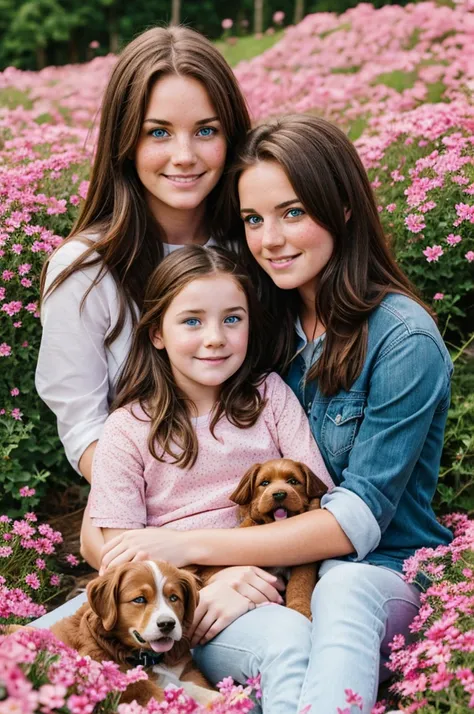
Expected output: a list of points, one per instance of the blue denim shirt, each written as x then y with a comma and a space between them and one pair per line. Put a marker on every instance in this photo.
382, 440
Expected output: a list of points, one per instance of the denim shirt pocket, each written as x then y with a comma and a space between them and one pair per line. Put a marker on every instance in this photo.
341, 423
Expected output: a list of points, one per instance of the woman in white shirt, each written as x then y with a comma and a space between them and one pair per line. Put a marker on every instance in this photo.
172, 116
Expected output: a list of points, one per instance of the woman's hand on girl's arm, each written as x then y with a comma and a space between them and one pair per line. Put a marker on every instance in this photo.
219, 605
146, 544
252, 582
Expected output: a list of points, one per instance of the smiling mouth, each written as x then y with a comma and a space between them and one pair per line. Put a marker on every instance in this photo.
283, 261
183, 179
213, 359
279, 514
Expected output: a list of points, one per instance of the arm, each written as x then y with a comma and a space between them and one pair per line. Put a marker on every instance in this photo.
72, 373
295, 439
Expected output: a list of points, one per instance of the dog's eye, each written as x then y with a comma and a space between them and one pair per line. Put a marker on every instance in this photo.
293, 481
264, 483
140, 600
174, 598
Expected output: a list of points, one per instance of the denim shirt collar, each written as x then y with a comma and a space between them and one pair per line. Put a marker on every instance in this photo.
309, 351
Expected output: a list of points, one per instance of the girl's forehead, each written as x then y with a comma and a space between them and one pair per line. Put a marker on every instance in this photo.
209, 292
179, 99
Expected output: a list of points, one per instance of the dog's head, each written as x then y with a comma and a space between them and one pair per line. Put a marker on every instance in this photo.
144, 605
278, 489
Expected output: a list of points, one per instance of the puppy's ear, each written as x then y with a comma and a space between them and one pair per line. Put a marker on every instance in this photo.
189, 584
103, 594
315, 488
243, 494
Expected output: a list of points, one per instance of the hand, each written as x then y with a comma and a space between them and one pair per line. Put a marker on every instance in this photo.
219, 605
147, 544
252, 582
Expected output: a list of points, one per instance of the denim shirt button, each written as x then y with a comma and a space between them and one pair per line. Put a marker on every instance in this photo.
338, 419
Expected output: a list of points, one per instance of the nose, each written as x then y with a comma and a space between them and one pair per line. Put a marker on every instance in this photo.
279, 496
214, 336
183, 154
272, 235
165, 624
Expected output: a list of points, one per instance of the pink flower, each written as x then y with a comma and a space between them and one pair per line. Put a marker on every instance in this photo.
5, 350
7, 275
469, 256
14, 392
26, 492
52, 696
5, 551
17, 248
23, 529
278, 17
11, 308
353, 698
415, 223
33, 581
391, 207
72, 560
17, 324
227, 24
433, 253
26, 282
453, 240
438, 296
31, 307
16, 414
24, 269
40, 564
94, 44
55, 580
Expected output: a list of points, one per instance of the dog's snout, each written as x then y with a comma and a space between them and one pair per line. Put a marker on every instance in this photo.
280, 495
166, 624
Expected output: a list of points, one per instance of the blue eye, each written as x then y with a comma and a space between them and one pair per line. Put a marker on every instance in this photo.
207, 131
140, 600
232, 320
253, 220
192, 321
159, 133
295, 212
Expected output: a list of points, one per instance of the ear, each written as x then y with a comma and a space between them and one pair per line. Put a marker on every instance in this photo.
103, 594
244, 492
189, 584
156, 338
315, 488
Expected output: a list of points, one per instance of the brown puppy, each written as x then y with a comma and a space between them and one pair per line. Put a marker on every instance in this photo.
138, 613
276, 490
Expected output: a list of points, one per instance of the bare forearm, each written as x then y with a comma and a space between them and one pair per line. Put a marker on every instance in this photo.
302, 539
85, 462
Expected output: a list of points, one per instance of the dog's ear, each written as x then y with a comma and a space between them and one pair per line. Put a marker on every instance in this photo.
243, 494
189, 584
315, 488
103, 594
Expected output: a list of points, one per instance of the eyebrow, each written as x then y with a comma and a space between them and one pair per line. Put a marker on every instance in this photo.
285, 204
200, 312
169, 123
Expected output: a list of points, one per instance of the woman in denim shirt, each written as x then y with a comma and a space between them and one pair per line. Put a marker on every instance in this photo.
373, 374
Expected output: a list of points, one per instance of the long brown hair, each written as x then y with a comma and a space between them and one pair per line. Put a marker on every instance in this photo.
147, 377
129, 244
329, 179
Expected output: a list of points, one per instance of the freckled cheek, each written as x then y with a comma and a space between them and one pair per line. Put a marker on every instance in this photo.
151, 158
215, 155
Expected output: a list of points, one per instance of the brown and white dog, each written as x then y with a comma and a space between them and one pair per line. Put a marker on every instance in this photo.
273, 491
138, 613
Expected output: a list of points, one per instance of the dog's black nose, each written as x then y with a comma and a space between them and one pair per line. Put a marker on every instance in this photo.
280, 495
165, 624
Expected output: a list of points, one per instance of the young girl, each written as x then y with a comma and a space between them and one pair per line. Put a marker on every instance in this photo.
369, 366
171, 117
192, 414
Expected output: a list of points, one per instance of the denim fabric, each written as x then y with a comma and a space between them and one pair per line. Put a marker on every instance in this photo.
382, 440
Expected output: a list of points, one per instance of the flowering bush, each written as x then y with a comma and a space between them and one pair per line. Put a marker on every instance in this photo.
40, 674
27, 564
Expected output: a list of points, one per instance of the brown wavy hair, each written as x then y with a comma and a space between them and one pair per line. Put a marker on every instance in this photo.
147, 377
329, 179
129, 243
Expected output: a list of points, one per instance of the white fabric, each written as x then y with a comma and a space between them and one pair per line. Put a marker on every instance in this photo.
76, 374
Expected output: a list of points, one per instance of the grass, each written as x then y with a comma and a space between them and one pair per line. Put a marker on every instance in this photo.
247, 47
11, 98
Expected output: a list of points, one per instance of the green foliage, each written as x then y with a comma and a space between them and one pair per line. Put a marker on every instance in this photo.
247, 47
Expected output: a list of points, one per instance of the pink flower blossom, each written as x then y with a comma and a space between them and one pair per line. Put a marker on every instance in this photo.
33, 581
5, 551
17, 248
55, 580
415, 223
227, 24
438, 296
26, 491
14, 392
72, 560
278, 17
24, 268
391, 207
353, 698
16, 414
469, 256
40, 564
433, 253
5, 350
453, 240
7, 275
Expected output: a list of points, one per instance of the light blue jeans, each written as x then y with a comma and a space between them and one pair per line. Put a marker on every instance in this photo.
357, 609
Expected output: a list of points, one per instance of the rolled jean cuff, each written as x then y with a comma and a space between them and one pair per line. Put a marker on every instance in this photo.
355, 518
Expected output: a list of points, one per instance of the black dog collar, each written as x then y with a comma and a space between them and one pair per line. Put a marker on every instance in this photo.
147, 658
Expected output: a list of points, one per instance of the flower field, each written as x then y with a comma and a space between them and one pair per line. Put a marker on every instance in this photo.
400, 81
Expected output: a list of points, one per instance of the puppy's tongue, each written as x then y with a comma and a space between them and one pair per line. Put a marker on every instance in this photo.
162, 645
280, 514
